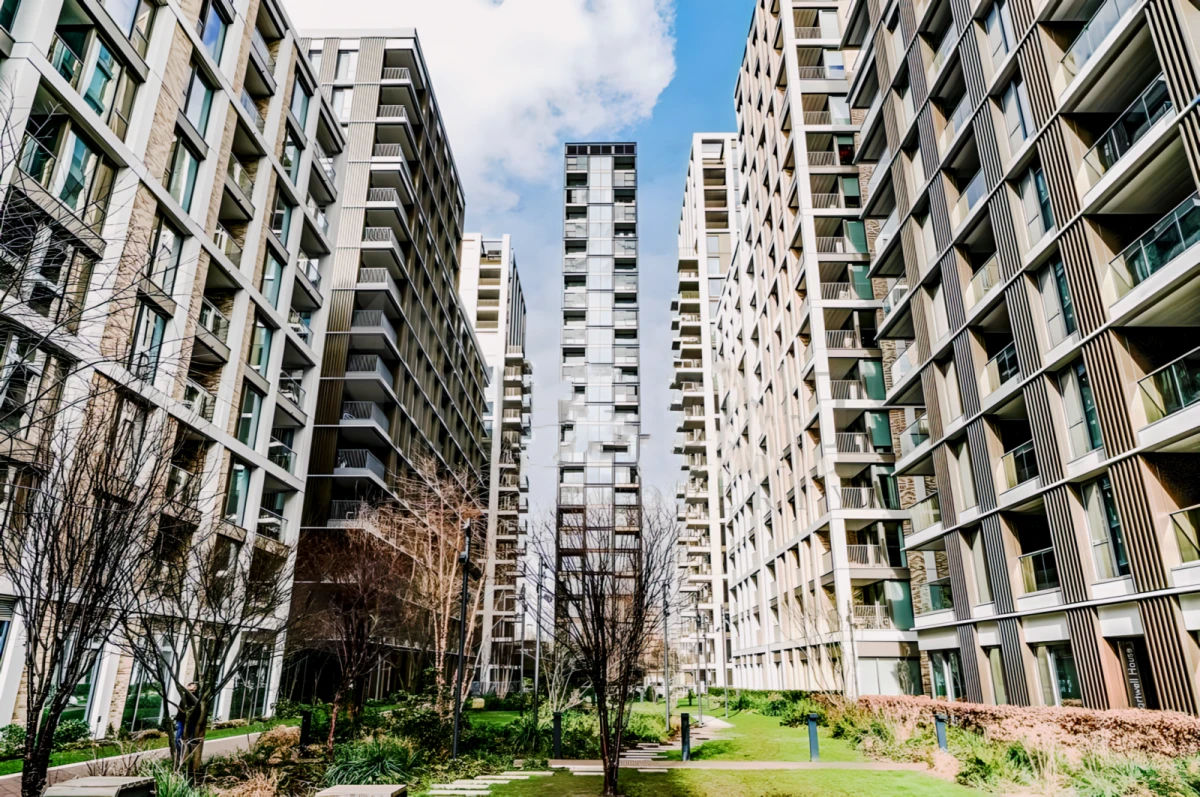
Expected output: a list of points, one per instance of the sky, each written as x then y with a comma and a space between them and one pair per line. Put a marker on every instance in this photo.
515, 80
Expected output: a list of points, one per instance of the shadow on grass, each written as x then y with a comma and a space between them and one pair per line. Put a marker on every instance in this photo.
709, 750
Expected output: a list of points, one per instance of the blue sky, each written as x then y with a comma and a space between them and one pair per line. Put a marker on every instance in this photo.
515, 79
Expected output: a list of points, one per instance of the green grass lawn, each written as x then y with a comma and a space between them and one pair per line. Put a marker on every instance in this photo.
491, 719
718, 783
754, 737
13, 766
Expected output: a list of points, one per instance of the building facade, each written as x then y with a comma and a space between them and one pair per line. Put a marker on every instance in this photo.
168, 184
1037, 162
818, 576
495, 302
708, 231
599, 485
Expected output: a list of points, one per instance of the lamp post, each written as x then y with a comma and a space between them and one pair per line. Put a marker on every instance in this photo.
537, 651
666, 656
703, 661
464, 560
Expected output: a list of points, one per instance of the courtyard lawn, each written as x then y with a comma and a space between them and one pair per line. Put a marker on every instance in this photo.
491, 719
15, 765
748, 783
754, 737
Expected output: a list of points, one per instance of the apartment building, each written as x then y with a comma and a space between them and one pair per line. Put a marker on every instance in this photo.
708, 231
167, 188
599, 485
1037, 160
403, 379
495, 303
818, 576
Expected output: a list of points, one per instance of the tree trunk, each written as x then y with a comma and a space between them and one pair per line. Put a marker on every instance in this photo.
333, 712
36, 762
194, 727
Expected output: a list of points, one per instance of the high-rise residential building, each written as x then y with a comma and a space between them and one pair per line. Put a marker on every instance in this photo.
495, 303
1036, 167
403, 379
599, 485
708, 231
817, 572
164, 218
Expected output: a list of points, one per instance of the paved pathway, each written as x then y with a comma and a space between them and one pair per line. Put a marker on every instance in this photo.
10, 785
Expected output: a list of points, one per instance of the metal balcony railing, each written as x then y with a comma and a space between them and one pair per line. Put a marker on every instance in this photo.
1174, 387
199, 400
1038, 570
926, 513
213, 320
1018, 465
986, 278
934, 596
1134, 122
1170, 237
914, 435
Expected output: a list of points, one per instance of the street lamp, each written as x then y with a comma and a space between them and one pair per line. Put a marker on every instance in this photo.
537, 651
464, 560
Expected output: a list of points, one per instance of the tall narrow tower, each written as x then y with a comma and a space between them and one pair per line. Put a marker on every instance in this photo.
599, 487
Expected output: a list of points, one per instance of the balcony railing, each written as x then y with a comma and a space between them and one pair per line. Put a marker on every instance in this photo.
859, 498
396, 73
895, 296
914, 435
904, 364
241, 177
944, 50
182, 485
1173, 235
1019, 465
1001, 369
956, 121
365, 411
1186, 524
841, 339
1039, 571
847, 390
214, 321
271, 524
926, 513
835, 72
373, 319
867, 556
1153, 104
252, 109
282, 455
260, 46
969, 198
64, 61
392, 112
934, 596
368, 364
224, 241
291, 388
840, 244
825, 118
199, 400
852, 443
873, 617
1080, 51
309, 268
986, 278
1173, 387
360, 459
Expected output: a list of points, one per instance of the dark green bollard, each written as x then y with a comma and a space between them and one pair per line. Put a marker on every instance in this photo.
814, 754
685, 736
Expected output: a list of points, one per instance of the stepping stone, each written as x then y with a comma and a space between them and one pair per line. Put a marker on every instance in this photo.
455, 792
660, 770
527, 773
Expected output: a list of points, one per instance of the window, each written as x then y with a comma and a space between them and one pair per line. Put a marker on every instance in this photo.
6, 615
101, 85
1056, 301
80, 700
247, 430
291, 157
20, 378
1035, 200
271, 277
341, 101
281, 222
147, 341
260, 347
983, 578
1018, 117
145, 707
996, 666
134, 18
181, 174
347, 65
314, 58
300, 98
236, 492
946, 672
1104, 526
163, 263
198, 101
1059, 680
212, 30
1083, 425
1000, 30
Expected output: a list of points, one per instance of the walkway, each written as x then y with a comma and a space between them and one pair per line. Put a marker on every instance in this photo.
10, 785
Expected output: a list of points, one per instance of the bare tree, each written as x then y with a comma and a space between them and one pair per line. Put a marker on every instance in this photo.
612, 570
213, 612
353, 598
426, 523
78, 545
562, 681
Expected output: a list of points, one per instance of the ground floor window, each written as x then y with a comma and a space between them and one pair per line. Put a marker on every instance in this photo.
80, 702
1135, 666
6, 614
252, 681
1059, 679
889, 676
996, 669
946, 674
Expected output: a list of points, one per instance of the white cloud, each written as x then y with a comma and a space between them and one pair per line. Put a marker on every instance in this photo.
516, 78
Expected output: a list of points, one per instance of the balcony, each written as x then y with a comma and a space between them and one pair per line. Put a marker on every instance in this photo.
1172, 388
391, 113
944, 51
65, 61
1131, 126
1169, 238
986, 278
1001, 369
212, 331
894, 297
968, 199
199, 400
840, 244
1186, 525
904, 364
372, 323
229, 247
926, 513
291, 389
362, 413
358, 462
859, 498
873, 617
1039, 572
848, 390
271, 524
1019, 465
240, 177
251, 109
73, 183
843, 339
914, 435
183, 486
1085, 45
282, 455
959, 118
934, 596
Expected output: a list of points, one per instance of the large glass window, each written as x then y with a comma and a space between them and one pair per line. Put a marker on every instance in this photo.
347, 65
80, 700
163, 263
1059, 680
212, 30
144, 703
314, 58
1056, 300
1000, 30
281, 221
1035, 200
236, 493
181, 174
946, 674
260, 347
1083, 425
198, 101
247, 430
1104, 527
1018, 116
147, 341
300, 98
291, 157
271, 277
341, 100
102, 84
996, 668
134, 18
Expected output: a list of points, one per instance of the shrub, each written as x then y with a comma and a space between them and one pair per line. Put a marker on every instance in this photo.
580, 735
169, 783
514, 701
645, 728
71, 732
382, 759
424, 727
224, 724
12, 741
